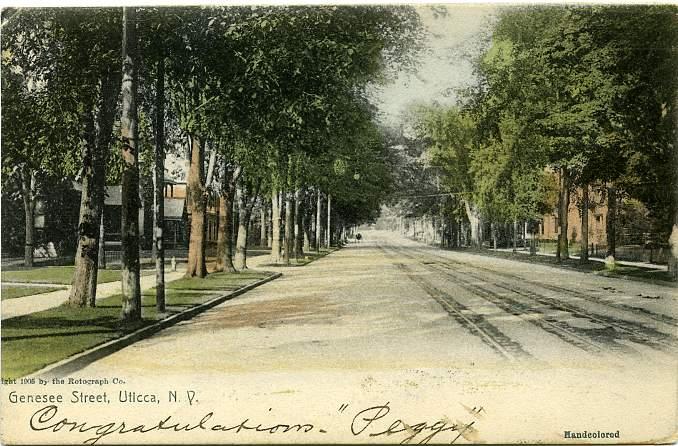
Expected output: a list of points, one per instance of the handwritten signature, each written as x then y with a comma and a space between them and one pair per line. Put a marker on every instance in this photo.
370, 422
367, 421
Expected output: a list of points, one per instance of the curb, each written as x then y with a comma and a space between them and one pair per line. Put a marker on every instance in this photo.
82, 359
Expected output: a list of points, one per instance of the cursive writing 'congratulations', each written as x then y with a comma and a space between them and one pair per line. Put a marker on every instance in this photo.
47, 419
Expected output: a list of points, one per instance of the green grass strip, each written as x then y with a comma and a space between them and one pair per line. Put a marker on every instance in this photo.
36, 340
54, 274
11, 291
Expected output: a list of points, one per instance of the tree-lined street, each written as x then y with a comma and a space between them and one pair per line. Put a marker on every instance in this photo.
289, 205
428, 332
388, 302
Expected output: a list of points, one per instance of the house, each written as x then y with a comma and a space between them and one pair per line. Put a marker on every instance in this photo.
549, 226
176, 220
178, 216
113, 215
175, 229
636, 238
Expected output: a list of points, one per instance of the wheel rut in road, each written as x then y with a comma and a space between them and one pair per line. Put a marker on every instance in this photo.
584, 339
664, 318
607, 331
475, 323
521, 310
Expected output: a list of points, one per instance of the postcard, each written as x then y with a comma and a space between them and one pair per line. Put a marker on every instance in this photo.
339, 224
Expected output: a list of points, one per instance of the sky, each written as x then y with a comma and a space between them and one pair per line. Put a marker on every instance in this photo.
452, 38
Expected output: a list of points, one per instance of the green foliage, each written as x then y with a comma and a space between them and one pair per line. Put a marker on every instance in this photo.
273, 83
450, 136
44, 103
283, 84
580, 83
562, 87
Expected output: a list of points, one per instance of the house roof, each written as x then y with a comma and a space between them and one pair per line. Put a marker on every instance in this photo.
171, 181
113, 194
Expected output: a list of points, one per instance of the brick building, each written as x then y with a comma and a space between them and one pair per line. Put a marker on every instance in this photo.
549, 228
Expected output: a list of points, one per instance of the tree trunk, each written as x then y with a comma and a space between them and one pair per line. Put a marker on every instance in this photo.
584, 254
563, 247
224, 261
28, 195
611, 222
308, 222
515, 235
307, 233
98, 132
454, 233
313, 223
329, 221
299, 215
275, 225
131, 288
673, 238
525, 234
289, 227
102, 242
245, 206
224, 237
318, 221
262, 229
197, 204
493, 230
474, 220
158, 189
83, 285
673, 243
269, 228
241, 238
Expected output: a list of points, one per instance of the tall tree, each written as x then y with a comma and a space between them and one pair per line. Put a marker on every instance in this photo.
98, 113
450, 135
69, 118
159, 188
247, 194
229, 179
131, 288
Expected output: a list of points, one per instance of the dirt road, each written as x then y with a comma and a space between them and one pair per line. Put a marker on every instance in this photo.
389, 329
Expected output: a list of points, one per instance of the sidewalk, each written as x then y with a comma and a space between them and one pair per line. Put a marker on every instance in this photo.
21, 306
31, 304
33, 284
595, 259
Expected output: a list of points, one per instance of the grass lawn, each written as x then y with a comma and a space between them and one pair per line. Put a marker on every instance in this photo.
56, 274
33, 341
10, 291
216, 281
644, 274
308, 258
550, 247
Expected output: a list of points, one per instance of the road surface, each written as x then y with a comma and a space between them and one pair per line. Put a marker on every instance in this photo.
524, 351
